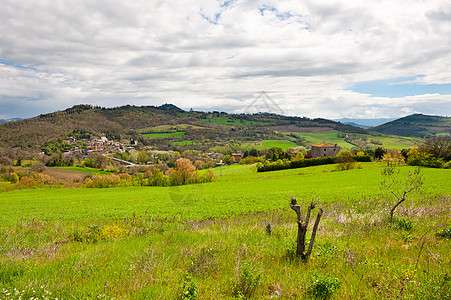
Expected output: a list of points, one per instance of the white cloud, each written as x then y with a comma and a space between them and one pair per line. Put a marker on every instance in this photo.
212, 54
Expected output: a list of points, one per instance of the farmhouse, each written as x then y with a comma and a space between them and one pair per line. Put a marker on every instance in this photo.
325, 150
237, 156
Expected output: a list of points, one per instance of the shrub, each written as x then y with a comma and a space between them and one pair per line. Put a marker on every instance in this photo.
204, 263
183, 173
426, 161
280, 165
111, 232
188, 289
14, 178
445, 233
6, 161
247, 283
323, 286
403, 224
38, 167
345, 161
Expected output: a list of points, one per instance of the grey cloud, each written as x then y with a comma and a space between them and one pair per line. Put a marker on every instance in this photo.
143, 52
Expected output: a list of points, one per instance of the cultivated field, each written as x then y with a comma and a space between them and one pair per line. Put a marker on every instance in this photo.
213, 240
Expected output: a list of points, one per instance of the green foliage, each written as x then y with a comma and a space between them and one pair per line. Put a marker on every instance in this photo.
188, 289
444, 233
426, 161
279, 165
403, 224
269, 228
323, 286
379, 152
248, 282
14, 178
204, 264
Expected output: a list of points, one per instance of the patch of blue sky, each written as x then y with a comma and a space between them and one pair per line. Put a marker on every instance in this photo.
227, 3
400, 87
15, 65
284, 16
211, 20
266, 8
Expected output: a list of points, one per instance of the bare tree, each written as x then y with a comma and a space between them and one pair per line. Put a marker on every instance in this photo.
400, 187
302, 227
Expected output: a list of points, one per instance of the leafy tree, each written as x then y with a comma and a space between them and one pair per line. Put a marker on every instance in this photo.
379, 152
184, 172
439, 147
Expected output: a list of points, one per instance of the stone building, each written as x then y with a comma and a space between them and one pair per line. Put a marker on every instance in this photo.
325, 150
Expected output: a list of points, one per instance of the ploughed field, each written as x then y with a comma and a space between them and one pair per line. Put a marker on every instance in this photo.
213, 240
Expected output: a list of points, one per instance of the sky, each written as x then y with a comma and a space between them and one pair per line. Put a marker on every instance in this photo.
315, 58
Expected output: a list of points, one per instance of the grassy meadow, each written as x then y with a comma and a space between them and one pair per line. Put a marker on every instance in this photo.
85, 170
165, 135
388, 142
283, 144
213, 241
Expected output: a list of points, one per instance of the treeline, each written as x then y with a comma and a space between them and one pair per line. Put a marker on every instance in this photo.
302, 163
184, 172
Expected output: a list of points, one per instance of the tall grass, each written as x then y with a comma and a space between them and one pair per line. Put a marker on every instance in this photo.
357, 253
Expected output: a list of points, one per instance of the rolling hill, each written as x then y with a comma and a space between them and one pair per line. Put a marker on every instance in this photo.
417, 125
134, 122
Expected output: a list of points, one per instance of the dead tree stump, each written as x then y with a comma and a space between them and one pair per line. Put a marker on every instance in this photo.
303, 226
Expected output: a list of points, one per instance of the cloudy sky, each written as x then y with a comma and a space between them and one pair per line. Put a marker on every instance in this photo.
316, 58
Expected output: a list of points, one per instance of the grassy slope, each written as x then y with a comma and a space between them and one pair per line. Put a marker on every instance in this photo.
273, 143
84, 170
238, 190
140, 256
163, 135
388, 142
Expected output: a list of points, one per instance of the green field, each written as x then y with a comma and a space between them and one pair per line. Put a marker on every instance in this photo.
251, 192
321, 137
165, 135
214, 240
284, 144
388, 142
84, 170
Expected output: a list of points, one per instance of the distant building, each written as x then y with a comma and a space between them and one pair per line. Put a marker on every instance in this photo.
237, 156
325, 150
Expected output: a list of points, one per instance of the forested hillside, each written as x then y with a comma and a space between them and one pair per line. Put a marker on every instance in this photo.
416, 125
132, 122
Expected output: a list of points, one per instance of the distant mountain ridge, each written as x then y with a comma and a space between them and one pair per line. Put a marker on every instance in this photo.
417, 125
364, 123
8, 120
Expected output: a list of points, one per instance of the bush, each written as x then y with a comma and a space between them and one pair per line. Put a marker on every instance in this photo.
38, 167
428, 161
280, 165
445, 233
188, 289
403, 224
204, 263
247, 283
323, 286
362, 158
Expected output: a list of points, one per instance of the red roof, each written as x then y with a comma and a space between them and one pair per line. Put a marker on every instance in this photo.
325, 145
